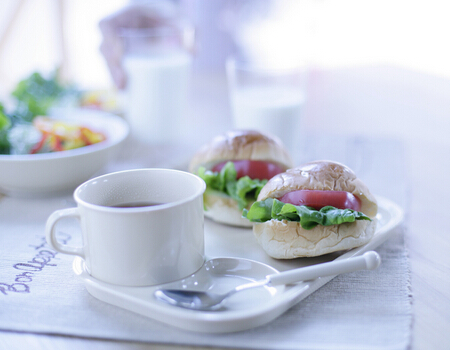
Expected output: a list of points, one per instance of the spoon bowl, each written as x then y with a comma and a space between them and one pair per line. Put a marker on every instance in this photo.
208, 301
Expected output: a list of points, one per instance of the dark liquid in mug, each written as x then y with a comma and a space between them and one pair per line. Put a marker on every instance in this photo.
136, 204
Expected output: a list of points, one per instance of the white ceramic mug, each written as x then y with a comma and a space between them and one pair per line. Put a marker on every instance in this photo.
132, 245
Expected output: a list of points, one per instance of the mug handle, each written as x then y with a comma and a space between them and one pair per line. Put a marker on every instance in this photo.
50, 232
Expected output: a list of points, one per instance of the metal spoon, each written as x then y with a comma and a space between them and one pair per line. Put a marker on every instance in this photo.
208, 301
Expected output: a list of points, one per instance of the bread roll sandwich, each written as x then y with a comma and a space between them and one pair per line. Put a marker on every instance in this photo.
314, 209
235, 166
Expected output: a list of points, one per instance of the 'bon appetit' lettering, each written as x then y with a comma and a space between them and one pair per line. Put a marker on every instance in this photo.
29, 269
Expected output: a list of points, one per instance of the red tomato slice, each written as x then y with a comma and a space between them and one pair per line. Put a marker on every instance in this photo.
319, 199
255, 169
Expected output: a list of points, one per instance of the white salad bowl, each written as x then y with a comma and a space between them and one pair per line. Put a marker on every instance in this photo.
47, 173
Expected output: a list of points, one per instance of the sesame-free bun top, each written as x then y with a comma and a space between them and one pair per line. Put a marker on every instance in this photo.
321, 175
241, 145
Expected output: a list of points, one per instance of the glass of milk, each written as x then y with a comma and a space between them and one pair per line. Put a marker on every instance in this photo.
158, 68
267, 98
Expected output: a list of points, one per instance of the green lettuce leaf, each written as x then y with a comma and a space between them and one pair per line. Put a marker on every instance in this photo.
5, 124
308, 217
244, 190
4, 120
36, 94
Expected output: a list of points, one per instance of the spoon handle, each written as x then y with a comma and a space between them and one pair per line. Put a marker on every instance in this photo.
368, 261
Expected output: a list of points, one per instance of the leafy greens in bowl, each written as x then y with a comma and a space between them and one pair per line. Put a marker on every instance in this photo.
43, 173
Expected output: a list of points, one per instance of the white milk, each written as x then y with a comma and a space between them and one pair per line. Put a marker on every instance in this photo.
157, 89
273, 109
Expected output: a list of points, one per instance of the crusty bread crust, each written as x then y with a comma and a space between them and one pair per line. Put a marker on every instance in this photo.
238, 145
288, 240
321, 175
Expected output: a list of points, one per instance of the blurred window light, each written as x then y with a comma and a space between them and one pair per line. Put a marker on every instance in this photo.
279, 37
40, 34
407, 33
43, 34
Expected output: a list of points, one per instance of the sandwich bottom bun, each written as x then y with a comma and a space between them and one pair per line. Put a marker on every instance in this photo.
223, 209
288, 240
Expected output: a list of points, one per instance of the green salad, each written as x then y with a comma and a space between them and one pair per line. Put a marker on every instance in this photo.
5, 124
33, 96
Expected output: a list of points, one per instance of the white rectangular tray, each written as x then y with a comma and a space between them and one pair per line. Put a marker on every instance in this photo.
251, 311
